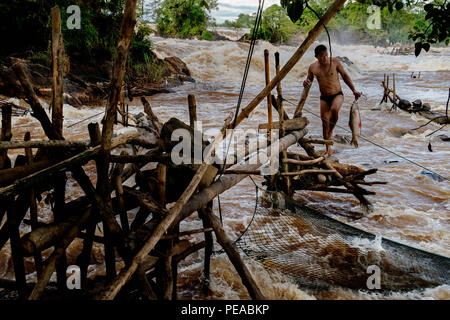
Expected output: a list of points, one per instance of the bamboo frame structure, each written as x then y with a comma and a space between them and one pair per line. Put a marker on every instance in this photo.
151, 250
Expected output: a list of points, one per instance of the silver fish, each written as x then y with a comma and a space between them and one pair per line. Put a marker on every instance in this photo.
354, 123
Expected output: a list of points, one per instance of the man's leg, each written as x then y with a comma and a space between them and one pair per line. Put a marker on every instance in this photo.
335, 107
325, 114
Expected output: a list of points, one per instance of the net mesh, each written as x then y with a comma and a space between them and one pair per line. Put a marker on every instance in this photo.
318, 251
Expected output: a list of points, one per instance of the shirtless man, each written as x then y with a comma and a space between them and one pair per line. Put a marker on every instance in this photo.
331, 98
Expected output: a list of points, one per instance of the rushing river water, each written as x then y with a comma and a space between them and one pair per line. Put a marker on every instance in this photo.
412, 208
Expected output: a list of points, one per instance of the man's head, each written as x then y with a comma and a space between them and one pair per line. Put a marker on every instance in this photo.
321, 53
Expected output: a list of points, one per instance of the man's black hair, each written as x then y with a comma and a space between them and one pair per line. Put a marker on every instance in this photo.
319, 49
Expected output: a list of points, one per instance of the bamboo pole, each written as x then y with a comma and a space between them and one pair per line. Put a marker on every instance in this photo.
17, 144
281, 112
111, 291
192, 103
57, 70
269, 96
301, 102
393, 84
312, 36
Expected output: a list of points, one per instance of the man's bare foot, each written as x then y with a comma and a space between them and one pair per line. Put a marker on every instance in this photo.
328, 152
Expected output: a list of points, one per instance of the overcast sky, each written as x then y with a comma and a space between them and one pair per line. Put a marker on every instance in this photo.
230, 9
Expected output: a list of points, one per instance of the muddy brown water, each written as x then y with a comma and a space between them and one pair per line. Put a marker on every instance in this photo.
412, 208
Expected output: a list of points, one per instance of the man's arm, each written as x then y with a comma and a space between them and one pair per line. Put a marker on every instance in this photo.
309, 78
346, 78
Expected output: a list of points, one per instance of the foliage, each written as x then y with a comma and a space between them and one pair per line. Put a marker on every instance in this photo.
26, 24
242, 21
185, 19
275, 25
399, 17
207, 35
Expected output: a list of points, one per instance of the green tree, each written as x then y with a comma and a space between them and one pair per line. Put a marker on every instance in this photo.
185, 19
431, 29
275, 25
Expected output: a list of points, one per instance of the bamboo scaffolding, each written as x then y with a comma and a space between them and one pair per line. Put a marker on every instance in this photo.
111, 291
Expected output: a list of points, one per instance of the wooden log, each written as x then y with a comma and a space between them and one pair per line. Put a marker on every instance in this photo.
17, 144
297, 173
281, 116
161, 171
288, 125
33, 209
57, 70
94, 134
233, 254
6, 135
111, 291
32, 176
14, 237
143, 143
50, 262
338, 190
21, 205
312, 36
186, 233
10, 175
47, 235
299, 110
269, 96
209, 244
157, 124
318, 141
103, 196
192, 103
116, 180
141, 158
84, 258
357, 191
225, 182
38, 111
304, 162
242, 171
145, 200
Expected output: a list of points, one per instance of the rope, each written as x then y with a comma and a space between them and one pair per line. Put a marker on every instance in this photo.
73, 124
374, 143
328, 35
241, 92
217, 252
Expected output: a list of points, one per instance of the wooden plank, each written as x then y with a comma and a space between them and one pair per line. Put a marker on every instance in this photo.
288, 125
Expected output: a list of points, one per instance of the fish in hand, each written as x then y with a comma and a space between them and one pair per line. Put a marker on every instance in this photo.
354, 123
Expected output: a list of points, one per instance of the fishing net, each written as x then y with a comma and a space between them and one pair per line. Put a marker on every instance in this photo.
318, 251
